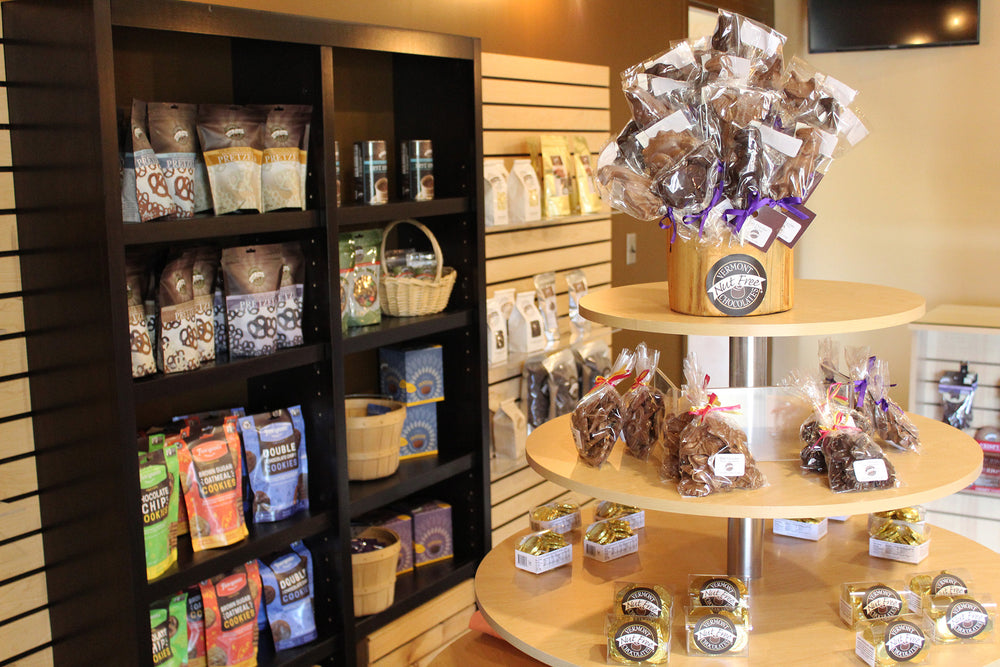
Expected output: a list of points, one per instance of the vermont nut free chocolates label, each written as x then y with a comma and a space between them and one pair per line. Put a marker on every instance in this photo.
736, 285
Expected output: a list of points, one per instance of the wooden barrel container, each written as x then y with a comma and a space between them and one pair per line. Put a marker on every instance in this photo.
726, 281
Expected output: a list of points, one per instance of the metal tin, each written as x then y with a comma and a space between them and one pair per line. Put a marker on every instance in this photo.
416, 163
371, 172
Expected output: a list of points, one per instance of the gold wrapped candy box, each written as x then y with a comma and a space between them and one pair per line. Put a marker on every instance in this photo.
953, 581
542, 551
643, 601
961, 618
609, 539
871, 601
559, 517
804, 529
902, 640
637, 641
900, 539
714, 631
710, 590
609, 510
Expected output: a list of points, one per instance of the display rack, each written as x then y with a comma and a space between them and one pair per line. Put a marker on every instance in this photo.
69, 65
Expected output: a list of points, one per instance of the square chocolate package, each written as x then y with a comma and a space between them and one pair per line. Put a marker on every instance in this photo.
432, 533
412, 375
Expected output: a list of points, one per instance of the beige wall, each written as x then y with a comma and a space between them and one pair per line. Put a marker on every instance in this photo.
915, 205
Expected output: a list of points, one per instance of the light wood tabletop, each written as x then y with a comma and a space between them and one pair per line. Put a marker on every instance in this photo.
558, 617
949, 461
821, 307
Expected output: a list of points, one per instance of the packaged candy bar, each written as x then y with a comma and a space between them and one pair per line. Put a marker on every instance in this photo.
900, 641
871, 600
288, 584
597, 420
643, 423
276, 462
637, 641
230, 603
168, 627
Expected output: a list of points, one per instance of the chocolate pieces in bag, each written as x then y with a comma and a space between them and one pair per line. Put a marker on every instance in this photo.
173, 135
178, 334
252, 279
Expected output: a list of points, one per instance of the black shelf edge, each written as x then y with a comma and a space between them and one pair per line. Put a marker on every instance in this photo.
361, 214
263, 539
413, 475
415, 588
398, 329
159, 386
209, 227
300, 656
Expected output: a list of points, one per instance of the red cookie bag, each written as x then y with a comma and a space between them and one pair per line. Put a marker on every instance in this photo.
230, 603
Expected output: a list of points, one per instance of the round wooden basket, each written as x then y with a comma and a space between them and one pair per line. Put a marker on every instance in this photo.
729, 281
406, 296
372, 441
374, 573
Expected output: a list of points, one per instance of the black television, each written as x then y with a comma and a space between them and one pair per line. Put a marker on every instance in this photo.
866, 25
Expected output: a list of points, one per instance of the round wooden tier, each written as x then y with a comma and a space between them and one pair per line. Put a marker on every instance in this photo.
558, 616
950, 461
821, 307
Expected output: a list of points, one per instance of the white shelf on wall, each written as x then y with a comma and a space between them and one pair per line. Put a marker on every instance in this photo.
549, 222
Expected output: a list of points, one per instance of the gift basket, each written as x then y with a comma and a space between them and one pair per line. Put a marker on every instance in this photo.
726, 144
412, 292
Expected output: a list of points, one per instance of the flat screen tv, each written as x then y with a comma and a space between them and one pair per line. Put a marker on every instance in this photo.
863, 25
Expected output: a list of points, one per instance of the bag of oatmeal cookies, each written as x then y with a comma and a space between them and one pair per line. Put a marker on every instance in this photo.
277, 467
288, 591
230, 602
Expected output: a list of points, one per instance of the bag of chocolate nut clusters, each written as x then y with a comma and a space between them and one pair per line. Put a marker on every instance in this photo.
891, 422
288, 591
535, 397
645, 410
596, 422
713, 455
252, 280
274, 444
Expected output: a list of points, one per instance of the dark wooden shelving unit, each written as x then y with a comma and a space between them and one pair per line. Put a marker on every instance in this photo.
70, 63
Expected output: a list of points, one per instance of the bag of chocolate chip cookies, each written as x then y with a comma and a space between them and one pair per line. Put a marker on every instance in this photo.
158, 496
168, 628
288, 584
230, 602
275, 448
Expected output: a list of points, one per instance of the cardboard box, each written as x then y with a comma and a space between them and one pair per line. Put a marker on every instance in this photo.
420, 432
543, 562
432, 533
412, 375
905, 553
401, 524
803, 530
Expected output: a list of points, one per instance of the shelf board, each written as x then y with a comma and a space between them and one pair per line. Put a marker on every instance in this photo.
158, 386
300, 656
398, 329
365, 214
264, 539
415, 588
208, 227
413, 475
549, 222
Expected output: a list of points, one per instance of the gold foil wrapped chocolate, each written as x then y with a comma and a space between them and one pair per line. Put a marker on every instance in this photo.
913, 514
637, 641
871, 601
608, 531
644, 601
726, 592
541, 542
609, 510
902, 640
938, 582
961, 618
560, 517
898, 532
714, 631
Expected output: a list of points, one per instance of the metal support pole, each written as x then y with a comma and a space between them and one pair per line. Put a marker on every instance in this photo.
748, 367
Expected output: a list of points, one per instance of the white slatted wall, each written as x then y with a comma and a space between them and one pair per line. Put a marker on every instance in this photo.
24, 619
524, 97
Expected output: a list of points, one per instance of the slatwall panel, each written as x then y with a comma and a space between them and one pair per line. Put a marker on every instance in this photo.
24, 619
941, 341
525, 97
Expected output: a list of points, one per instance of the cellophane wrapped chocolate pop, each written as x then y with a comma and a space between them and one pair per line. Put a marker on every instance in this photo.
721, 128
596, 423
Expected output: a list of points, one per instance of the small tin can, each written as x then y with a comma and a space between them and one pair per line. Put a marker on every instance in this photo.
416, 160
371, 172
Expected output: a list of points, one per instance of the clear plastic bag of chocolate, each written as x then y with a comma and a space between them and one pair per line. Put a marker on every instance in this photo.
625, 188
677, 63
596, 422
645, 415
535, 397
593, 360
713, 454
891, 422
564, 383
795, 161
958, 391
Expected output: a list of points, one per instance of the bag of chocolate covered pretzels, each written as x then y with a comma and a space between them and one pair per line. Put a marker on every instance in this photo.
644, 419
151, 191
143, 357
232, 144
713, 454
173, 135
252, 280
285, 154
178, 332
204, 266
288, 591
596, 422
274, 444
291, 290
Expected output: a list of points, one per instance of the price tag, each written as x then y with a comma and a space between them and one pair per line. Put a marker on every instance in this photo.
871, 470
728, 465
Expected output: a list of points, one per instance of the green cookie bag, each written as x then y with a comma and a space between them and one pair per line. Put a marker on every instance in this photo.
168, 627
158, 498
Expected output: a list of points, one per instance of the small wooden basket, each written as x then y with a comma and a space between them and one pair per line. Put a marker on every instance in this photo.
374, 573
372, 441
406, 296
726, 281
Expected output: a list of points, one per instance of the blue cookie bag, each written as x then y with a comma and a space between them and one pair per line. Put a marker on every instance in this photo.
287, 580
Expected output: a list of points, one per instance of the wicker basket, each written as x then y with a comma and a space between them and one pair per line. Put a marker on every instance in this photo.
406, 296
372, 442
374, 573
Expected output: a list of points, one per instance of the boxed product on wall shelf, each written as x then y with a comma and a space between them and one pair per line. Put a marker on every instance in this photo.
73, 272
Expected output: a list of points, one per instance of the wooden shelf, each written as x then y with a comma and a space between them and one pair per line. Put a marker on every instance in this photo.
352, 215
210, 227
821, 307
558, 616
398, 329
549, 222
412, 475
949, 462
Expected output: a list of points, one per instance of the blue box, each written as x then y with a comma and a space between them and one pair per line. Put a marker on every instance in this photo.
400, 523
412, 375
432, 533
420, 431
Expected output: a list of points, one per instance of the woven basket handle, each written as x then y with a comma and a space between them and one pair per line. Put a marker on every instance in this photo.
427, 232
